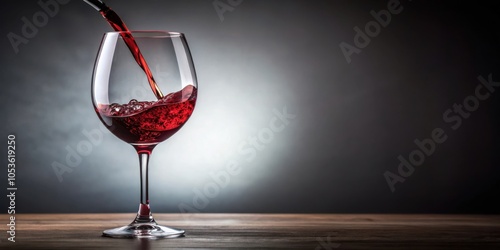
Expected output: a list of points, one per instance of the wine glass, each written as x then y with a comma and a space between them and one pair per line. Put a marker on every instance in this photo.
132, 105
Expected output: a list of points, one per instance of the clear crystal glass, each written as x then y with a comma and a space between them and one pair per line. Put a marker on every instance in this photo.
128, 106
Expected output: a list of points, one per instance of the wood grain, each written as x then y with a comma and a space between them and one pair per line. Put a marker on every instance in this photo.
263, 231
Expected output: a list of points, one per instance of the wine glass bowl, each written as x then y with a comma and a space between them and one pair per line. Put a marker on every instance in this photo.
132, 72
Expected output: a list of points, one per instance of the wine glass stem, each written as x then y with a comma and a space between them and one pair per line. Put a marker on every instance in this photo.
144, 161
144, 213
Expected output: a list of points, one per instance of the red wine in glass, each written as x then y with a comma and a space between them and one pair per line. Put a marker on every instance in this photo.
142, 123
118, 25
149, 122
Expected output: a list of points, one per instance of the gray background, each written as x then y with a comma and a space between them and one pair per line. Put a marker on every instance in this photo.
352, 120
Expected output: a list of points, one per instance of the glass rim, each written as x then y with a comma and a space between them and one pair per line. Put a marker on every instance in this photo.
148, 33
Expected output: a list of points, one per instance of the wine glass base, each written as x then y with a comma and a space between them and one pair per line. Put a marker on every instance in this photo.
150, 230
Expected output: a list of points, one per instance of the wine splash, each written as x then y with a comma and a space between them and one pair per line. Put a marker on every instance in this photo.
149, 122
118, 25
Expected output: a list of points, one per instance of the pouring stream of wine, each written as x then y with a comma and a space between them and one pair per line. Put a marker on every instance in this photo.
118, 25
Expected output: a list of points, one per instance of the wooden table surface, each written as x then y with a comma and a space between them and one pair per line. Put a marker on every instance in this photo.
263, 231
